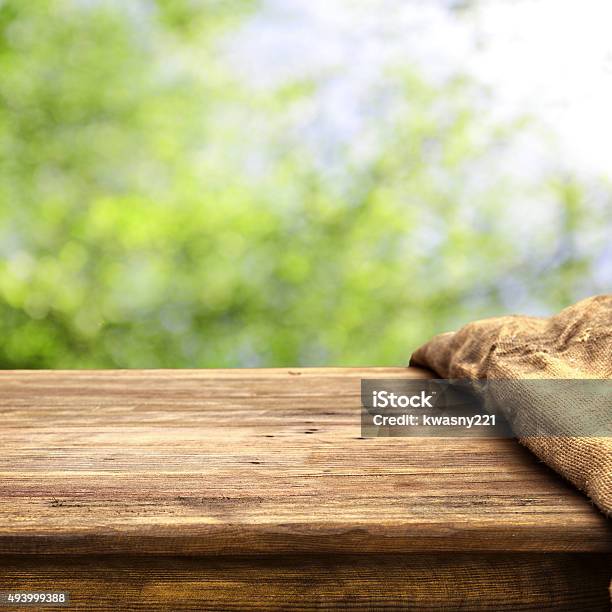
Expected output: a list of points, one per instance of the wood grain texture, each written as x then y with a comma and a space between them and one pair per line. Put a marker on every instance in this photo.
424, 582
251, 462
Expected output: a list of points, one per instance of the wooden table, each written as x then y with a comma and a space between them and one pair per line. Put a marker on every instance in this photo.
244, 489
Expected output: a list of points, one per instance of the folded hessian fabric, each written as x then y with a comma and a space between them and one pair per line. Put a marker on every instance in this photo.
574, 344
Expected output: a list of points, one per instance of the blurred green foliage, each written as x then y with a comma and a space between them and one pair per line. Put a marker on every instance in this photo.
156, 211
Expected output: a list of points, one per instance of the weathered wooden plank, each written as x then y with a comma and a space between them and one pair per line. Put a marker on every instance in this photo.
243, 462
424, 582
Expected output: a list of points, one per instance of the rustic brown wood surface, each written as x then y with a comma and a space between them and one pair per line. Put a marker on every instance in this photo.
245, 462
558, 582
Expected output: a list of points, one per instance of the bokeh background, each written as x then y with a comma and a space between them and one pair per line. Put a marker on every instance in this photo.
193, 183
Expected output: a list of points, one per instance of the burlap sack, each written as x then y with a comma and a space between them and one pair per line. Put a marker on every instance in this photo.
575, 344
